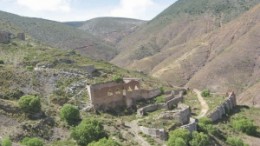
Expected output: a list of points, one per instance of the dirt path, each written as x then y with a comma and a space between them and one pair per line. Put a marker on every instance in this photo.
203, 103
135, 130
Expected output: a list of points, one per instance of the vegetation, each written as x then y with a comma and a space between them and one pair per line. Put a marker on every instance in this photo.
2, 62
104, 142
199, 139
32, 141
160, 99
244, 125
70, 114
6, 142
179, 136
235, 141
205, 93
205, 125
87, 131
30, 103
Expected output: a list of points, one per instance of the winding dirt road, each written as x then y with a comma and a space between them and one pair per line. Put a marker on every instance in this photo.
203, 103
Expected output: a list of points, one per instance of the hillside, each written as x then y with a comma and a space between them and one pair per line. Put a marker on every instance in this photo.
109, 28
58, 35
201, 46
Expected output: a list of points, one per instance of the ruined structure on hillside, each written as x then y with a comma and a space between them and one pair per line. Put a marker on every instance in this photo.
21, 36
5, 37
224, 108
104, 96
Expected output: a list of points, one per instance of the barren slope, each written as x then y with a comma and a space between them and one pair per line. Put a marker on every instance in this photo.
108, 28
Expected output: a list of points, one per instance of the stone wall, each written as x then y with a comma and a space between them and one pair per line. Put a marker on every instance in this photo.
21, 36
191, 126
153, 132
153, 107
228, 105
5, 37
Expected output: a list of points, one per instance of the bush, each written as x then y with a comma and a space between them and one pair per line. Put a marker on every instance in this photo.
30, 68
30, 104
87, 131
118, 79
205, 93
6, 142
234, 141
70, 114
104, 142
162, 90
199, 139
205, 125
2, 62
160, 99
244, 125
179, 142
32, 141
177, 136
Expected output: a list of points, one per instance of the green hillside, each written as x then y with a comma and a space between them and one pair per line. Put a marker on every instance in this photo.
58, 35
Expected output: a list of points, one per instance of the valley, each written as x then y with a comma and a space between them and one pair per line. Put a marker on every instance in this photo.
188, 77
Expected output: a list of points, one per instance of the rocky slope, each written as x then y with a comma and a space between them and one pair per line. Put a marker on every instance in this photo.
108, 28
214, 45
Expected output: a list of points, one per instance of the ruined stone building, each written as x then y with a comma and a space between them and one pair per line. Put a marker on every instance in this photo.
104, 96
5, 37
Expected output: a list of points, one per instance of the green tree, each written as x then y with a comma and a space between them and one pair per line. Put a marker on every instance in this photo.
199, 139
32, 141
104, 142
179, 142
30, 103
205, 93
70, 114
234, 141
87, 131
244, 125
205, 125
184, 134
6, 142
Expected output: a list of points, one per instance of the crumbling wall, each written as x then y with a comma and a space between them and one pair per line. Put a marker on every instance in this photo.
228, 105
156, 133
5, 37
192, 126
21, 36
115, 94
150, 108
174, 102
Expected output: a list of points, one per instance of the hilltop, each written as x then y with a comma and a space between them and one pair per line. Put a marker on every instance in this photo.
58, 35
110, 29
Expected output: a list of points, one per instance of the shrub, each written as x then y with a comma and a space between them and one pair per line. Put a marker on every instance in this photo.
70, 114
244, 125
32, 141
2, 62
199, 139
104, 142
30, 68
162, 90
30, 103
160, 99
87, 131
183, 134
6, 142
179, 142
205, 125
118, 79
205, 93
234, 141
